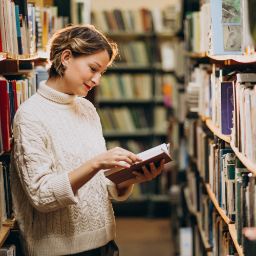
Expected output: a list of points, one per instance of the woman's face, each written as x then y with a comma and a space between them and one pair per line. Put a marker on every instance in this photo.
84, 72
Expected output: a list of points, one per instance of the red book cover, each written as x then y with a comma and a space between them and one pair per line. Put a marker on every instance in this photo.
15, 95
5, 115
1, 47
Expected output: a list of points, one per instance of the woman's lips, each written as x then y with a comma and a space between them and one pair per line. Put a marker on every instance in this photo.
87, 87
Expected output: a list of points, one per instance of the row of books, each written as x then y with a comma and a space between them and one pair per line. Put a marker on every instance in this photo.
220, 27
139, 20
131, 145
14, 90
229, 101
144, 53
126, 86
12, 94
26, 27
135, 52
124, 119
210, 233
232, 184
5, 198
244, 127
8, 250
139, 86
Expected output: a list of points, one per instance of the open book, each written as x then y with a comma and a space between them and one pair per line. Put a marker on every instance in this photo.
156, 154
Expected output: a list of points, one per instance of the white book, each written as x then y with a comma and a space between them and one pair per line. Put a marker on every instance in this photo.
121, 175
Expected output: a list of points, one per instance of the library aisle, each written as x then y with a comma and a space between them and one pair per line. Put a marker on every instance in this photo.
185, 76
144, 236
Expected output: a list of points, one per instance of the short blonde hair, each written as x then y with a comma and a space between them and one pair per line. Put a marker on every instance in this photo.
80, 40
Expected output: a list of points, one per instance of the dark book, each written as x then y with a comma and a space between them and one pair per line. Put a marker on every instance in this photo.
156, 154
17, 20
227, 107
64, 8
5, 115
249, 246
119, 19
8, 250
252, 18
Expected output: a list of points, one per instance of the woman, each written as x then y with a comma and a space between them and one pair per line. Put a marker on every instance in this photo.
61, 197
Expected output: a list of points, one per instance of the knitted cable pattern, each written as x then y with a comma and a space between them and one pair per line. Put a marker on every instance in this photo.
55, 133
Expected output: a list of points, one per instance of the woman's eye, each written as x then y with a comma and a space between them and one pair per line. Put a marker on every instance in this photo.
93, 69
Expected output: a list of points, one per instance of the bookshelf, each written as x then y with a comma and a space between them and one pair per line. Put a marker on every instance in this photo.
142, 68
216, 131
216, 204
198, 220
4, 233
216, 149
247, 163
22, 49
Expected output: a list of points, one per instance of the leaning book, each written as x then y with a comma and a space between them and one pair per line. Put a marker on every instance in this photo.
156, 154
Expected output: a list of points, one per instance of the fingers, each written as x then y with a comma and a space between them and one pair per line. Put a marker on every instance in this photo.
250, 233
145, 176
148, 175
125, 155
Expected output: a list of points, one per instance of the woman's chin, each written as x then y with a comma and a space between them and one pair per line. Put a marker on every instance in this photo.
82, 94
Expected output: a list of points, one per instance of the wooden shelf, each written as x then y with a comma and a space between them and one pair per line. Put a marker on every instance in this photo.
233, 234
4, 232
234, 59
160, 133
136, 133
247, 162
131, 34
124, 101
190, 206
231, 226
191, 209
139, 67
227, 59
3, 56
129, 66
196, 55
216, 131
25, 57
9, 223
216, 204
207, 246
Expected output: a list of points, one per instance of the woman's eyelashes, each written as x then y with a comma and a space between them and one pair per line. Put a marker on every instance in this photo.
93, 69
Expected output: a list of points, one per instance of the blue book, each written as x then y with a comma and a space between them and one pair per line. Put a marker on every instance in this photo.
226, 36
222, 153
227, 107
17, 16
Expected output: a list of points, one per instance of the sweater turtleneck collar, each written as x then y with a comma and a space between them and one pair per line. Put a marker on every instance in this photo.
54, 95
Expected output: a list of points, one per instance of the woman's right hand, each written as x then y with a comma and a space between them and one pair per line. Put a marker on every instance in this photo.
115, 157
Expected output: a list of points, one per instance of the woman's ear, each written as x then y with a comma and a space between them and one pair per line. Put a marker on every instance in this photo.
66, 57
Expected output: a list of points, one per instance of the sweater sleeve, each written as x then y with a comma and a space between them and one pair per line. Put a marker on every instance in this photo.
47, 188
113, 192
111, 187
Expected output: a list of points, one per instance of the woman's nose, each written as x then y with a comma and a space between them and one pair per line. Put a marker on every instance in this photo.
96, 78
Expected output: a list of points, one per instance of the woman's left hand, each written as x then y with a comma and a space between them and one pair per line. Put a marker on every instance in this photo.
148, 174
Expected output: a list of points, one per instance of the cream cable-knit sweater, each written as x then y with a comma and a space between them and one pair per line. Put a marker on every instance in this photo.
54, 133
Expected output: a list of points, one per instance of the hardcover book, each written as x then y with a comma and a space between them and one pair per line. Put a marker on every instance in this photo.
227, 107
155, 155
226, 27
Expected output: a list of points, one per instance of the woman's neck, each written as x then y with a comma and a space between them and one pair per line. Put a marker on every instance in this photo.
58, 84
